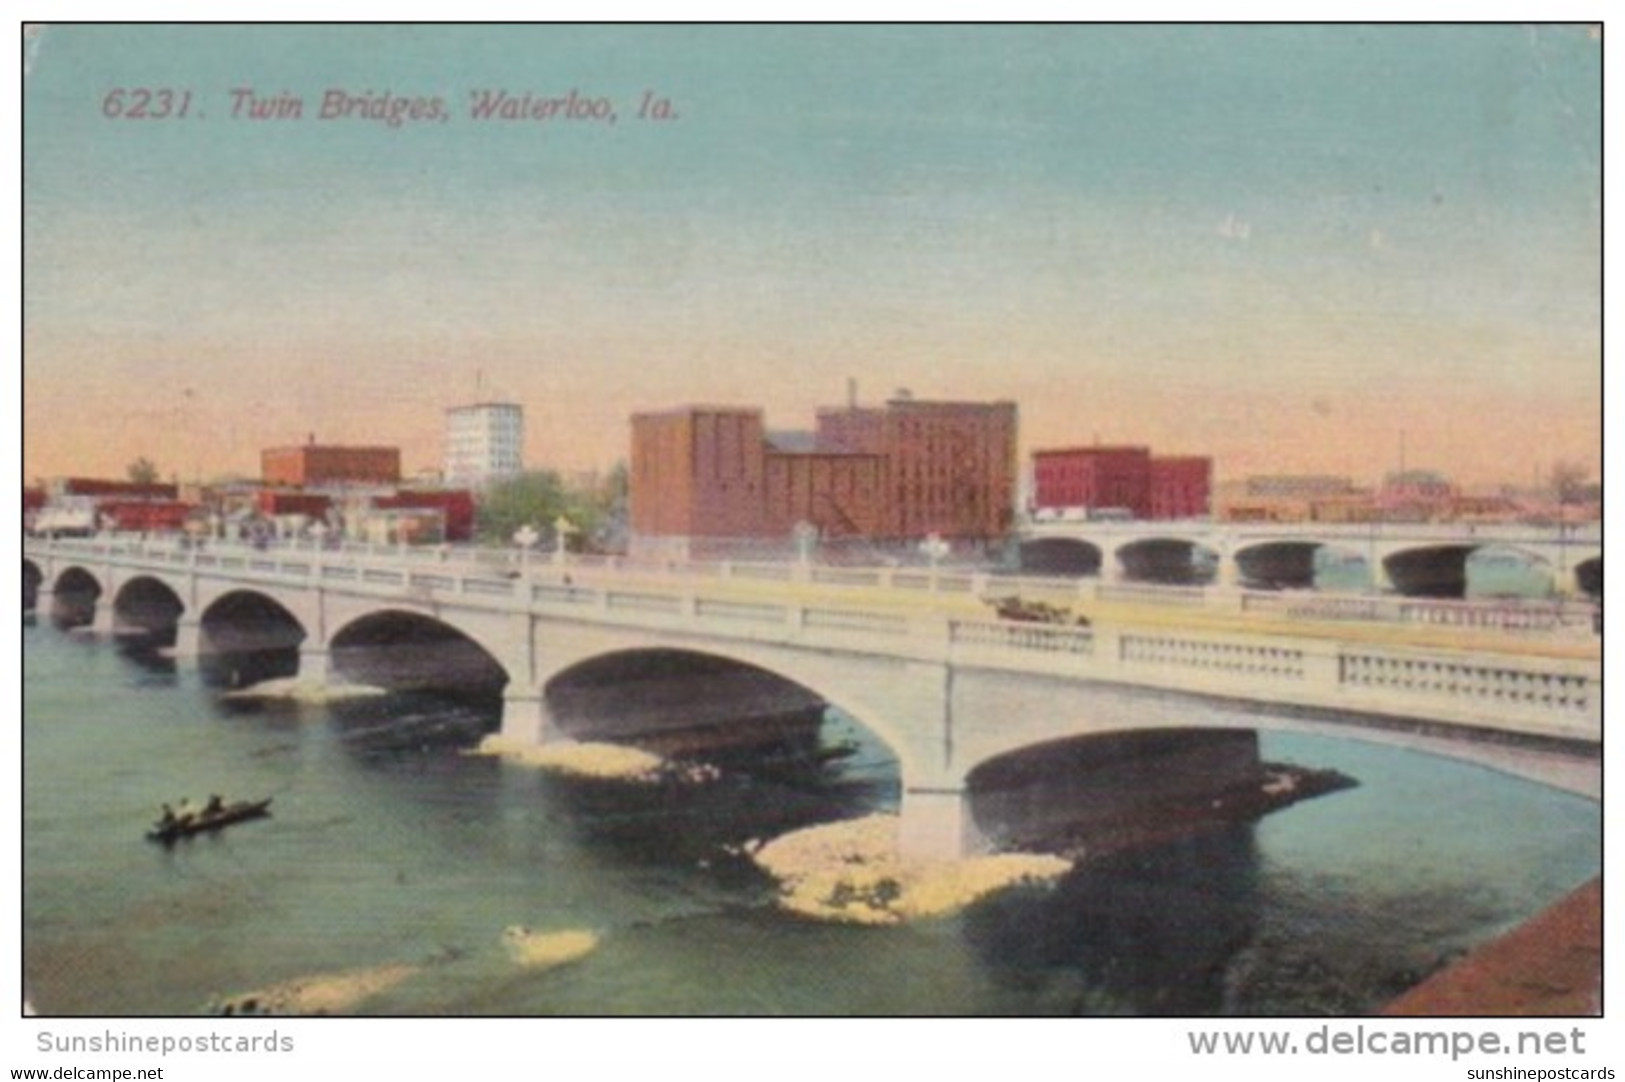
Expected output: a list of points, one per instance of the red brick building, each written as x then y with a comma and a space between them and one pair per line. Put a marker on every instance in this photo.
1097, 478
951, 465
144, 516
456, 508
698, 472
1122, 479
1181, 486
313, 465
843, 495
890, 474
101, 489
272, 503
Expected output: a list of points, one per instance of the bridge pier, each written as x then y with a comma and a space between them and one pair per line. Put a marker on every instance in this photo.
188, 638
526, 719
104, 621
935, 823
316, 665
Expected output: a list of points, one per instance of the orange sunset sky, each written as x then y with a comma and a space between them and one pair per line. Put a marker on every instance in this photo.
1296, 249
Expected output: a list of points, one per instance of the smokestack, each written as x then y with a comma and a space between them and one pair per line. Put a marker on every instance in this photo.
851, 393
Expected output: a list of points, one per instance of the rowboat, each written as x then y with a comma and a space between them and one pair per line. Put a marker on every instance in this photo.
206, 822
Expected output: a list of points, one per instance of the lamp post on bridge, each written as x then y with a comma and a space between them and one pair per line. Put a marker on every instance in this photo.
525, 538
562, 528
934, 548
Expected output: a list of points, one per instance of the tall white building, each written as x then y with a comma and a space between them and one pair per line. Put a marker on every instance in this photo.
484, 443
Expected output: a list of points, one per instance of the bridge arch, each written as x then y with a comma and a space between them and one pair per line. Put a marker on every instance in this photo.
245, 636
1429, 570
1060, 556
1278, 565
1588, 576
149, 606
405, 650
649, 687
1095, 788
33, 579
74, 595
1174, 561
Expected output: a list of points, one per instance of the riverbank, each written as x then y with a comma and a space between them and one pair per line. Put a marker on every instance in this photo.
1551, 965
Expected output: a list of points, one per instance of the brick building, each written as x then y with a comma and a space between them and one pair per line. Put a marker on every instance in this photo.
1181, 486
1294, 498
890, 474
698, 472
144, 516
1094, 478
1122, 479
455, 508
314, 465
96, 488
951, 465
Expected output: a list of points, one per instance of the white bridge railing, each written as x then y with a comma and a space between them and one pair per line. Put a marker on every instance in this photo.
1514, 616
1528, 694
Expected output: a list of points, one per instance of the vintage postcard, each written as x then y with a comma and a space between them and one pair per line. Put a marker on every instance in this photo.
832, 520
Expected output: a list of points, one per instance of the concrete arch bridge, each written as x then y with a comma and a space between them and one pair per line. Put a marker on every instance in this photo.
1413, 560
959, 701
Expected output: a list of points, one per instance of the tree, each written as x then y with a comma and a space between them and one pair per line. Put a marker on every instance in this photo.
142, 471
540, 497
536, 498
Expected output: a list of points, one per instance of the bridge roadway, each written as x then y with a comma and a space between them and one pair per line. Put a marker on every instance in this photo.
918, 660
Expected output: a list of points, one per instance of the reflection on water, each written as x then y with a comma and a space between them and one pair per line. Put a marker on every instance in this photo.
1155, 932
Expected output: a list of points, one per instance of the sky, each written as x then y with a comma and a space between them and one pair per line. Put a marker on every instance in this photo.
1326, 249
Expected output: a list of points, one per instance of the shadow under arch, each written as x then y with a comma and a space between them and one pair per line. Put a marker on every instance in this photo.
1118, 789
400, 650
74, 596
33, 578
1429, 570
148, 608
1278, 565
245, 637
1588, 574
785, 756
1061, 556
1168, 561
677, 701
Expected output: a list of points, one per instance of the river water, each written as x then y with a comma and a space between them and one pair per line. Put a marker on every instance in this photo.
391, 846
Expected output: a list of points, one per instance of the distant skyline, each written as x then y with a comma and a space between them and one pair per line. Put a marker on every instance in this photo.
1293, 248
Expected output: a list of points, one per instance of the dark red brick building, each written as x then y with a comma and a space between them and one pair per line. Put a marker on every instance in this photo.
125, 490
1128, 479
1181, 486
272, 503
1097, 478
